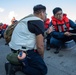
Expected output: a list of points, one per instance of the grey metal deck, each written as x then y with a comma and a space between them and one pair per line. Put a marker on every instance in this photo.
63, 63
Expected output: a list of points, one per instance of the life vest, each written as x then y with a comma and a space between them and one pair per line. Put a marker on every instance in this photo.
4, 26
0, 27
46, 23
22, 38
61, 25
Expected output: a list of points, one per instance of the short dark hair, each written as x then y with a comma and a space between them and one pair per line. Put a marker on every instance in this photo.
55, 10
39, 8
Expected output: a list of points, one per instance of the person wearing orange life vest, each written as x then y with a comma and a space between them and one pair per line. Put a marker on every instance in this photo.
61, 29
46, 23
1, 29
4, 26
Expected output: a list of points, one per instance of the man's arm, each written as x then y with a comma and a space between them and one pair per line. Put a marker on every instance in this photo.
40, 44
72, 24
37, 27
51, 30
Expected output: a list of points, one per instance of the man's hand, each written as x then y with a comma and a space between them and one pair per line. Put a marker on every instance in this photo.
22, 57
68, 34
50, 29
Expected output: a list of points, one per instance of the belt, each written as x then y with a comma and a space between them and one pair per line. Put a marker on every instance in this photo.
34, 50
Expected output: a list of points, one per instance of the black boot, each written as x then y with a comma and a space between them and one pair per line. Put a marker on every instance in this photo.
47, 47
8, 68
48, 44
12, 69
57, 50
6, 43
